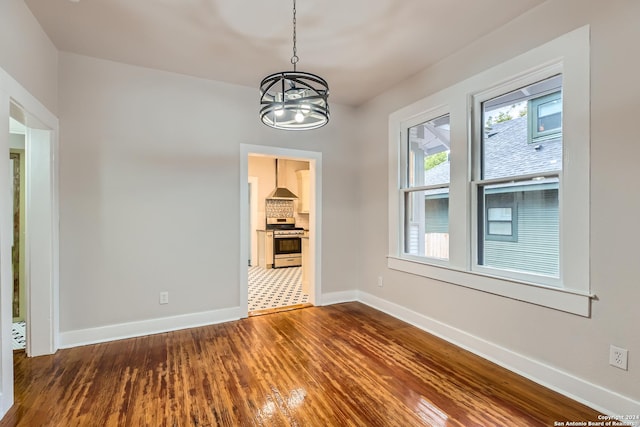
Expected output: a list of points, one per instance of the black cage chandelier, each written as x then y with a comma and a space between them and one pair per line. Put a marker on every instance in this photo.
294, 100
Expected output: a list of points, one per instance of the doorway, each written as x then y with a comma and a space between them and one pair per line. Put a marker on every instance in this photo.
40, 239
292, 285
277, 234
34, 240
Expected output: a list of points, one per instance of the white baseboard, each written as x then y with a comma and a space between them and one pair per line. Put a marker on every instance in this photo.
599, 398
339, 297
165, 324
146, 327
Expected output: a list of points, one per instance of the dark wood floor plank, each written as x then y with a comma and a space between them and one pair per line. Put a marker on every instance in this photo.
341, 365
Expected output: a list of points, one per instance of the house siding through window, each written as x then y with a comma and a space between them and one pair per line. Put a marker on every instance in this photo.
537, 235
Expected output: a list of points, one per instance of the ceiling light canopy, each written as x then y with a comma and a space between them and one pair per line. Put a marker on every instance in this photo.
294, 100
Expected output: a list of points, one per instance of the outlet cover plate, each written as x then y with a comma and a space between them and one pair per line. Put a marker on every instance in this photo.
618, 357
164, 297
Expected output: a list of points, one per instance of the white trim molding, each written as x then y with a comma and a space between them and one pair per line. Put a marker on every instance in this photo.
546, 296
339, 297
595, 396
141, 328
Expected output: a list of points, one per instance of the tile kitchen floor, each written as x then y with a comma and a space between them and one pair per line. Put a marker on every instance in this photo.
18, 335
275, 287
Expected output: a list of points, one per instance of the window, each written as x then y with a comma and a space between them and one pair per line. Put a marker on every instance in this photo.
501, 216
426, 194
480, 193
513, 172
545, 119
500, 222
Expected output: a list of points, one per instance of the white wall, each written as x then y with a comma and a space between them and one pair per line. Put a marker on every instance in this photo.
149, 186
575, 346
27, 54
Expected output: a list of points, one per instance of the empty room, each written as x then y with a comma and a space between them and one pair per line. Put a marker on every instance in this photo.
371, 213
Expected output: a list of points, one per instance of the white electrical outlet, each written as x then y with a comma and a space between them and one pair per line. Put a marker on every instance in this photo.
618, 357
164, 297
380, 281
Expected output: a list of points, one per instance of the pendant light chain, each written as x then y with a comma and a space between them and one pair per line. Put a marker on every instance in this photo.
294, 58
294, 100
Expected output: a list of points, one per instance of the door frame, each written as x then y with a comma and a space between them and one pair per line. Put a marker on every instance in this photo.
15, 100
315, 220
253, 216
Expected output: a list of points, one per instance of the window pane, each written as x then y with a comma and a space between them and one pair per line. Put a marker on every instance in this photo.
536, 247
501, 211
499, 214
427, 223
550, 108
550, 116
506, 147
429, 153
500, 228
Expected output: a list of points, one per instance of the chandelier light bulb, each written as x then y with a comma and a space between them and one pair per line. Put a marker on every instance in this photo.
299, 117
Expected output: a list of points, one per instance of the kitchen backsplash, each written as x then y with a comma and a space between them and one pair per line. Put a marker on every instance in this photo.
279, 208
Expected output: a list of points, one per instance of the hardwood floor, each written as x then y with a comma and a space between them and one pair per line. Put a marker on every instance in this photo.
340, 365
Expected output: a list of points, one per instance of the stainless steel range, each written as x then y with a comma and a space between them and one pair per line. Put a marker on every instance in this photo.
287, 242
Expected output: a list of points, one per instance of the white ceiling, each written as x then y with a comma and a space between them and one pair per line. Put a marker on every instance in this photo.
361, 47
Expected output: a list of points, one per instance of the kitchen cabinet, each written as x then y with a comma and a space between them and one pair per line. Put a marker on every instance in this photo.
303, 190
265, 248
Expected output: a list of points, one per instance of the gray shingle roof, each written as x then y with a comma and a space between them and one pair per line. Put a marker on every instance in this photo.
508, 153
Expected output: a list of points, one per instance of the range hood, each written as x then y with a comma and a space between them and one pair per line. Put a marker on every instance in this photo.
281, 193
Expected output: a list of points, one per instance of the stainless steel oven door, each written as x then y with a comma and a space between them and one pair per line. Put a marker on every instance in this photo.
287, 251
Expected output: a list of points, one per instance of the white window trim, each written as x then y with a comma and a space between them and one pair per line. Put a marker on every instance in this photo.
431, 114
570, 55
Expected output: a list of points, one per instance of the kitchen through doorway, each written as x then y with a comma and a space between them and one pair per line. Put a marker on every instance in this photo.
279, 194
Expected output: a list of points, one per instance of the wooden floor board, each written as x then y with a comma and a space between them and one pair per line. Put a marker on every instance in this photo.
340, 365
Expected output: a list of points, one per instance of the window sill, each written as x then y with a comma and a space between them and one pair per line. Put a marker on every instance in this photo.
556, 298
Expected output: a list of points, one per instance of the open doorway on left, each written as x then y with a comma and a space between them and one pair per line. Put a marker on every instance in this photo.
31, 267
17, 132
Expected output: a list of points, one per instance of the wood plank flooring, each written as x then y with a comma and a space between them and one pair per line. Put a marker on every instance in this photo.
340, 365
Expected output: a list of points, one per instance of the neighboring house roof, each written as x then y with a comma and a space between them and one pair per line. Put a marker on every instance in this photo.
508, 153
439, 174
